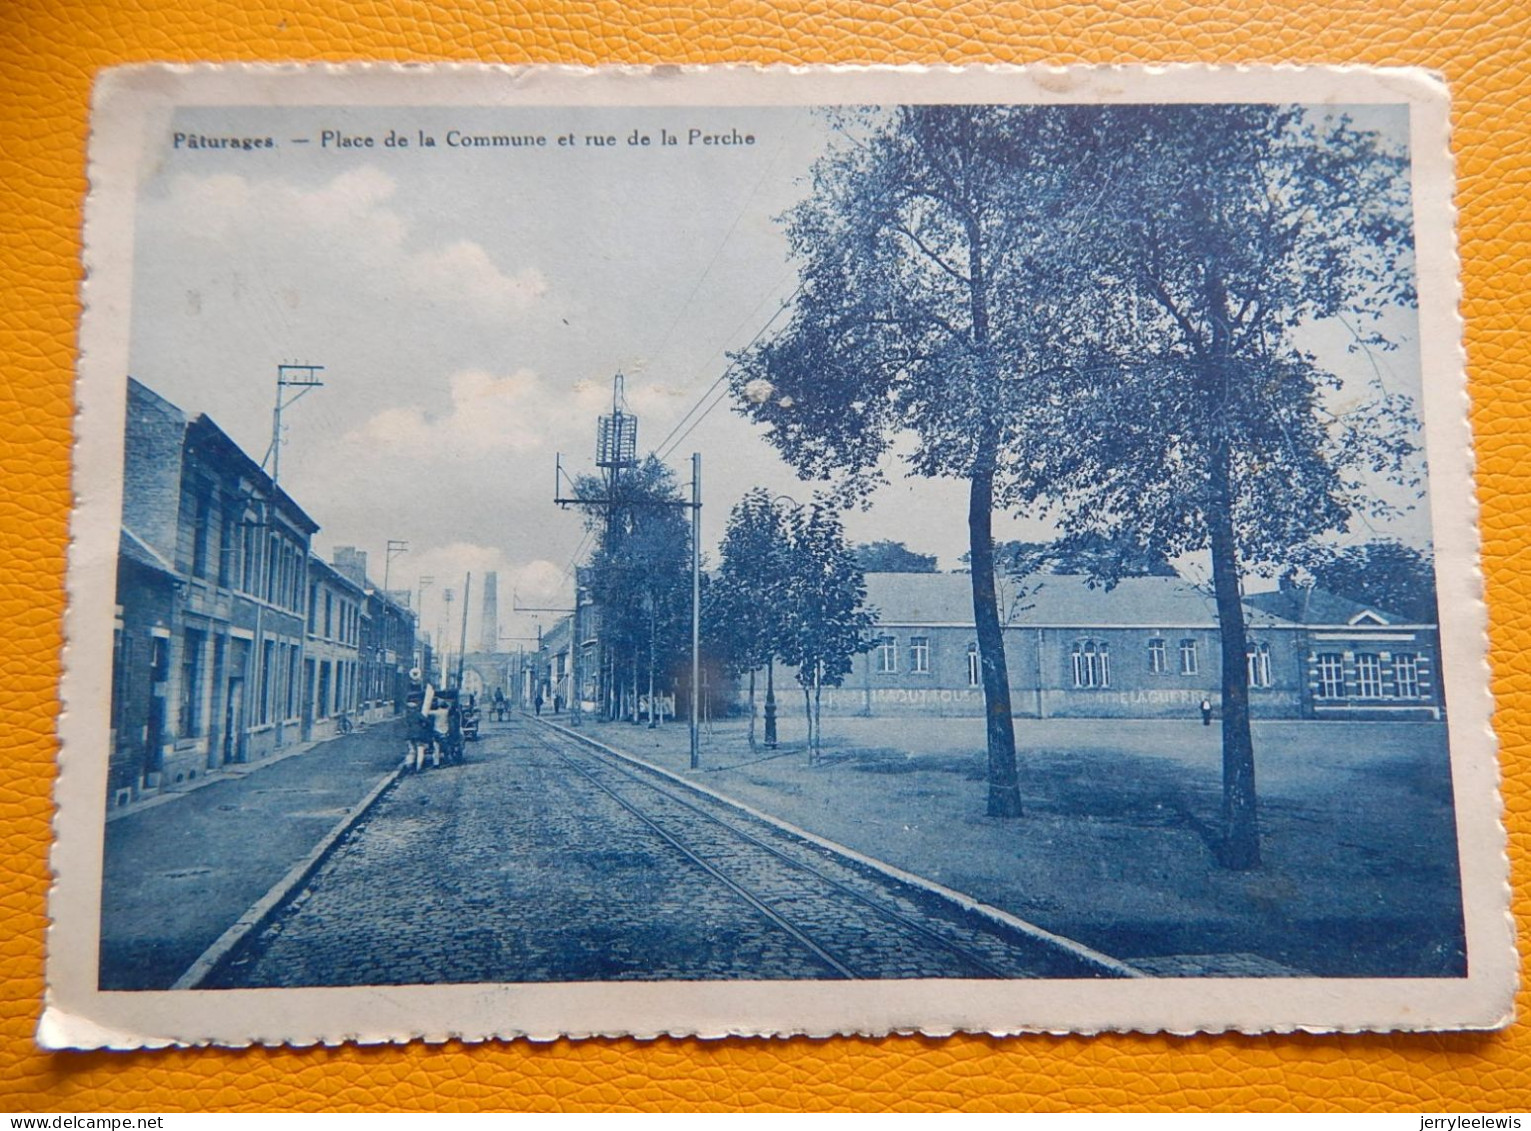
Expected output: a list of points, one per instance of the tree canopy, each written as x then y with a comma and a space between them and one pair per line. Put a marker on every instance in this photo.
1099, 311
1387, 574
640, 571
886, 556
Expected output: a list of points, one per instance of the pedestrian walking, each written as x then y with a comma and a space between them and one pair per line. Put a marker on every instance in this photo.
441, 725
537, 704
1206, 712
421, 733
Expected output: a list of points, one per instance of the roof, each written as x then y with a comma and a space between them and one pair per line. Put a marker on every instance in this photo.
1046, 600
139, 552
204, 434
317, 565
1307, 605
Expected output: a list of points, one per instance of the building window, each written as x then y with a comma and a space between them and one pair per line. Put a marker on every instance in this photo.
202, 534
1406, 674
887, 654
919, 654
1091, 664
1158, 662
1188, 665
1369, 675
1258, 662
226, 552
247, 544
1331, 675
975, 671
192, 648
267, 690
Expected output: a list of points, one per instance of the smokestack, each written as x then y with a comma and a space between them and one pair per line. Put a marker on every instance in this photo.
489, 631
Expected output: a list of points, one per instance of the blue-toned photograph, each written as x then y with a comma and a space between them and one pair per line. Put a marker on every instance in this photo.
776, 543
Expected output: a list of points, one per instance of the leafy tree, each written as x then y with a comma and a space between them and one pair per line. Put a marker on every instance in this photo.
933, 254
1091, 553
885, 556
821, 592
639, 576
1203, 424
1388, 574
743, 614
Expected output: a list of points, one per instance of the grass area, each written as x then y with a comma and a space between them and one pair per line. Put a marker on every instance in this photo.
1359, 876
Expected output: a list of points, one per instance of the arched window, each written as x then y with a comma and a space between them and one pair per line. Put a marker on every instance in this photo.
1258, 664
1090, 663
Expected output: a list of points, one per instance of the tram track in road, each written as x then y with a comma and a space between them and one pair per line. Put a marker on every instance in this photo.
859, 922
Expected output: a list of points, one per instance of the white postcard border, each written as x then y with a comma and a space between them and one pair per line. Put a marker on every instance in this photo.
130, 101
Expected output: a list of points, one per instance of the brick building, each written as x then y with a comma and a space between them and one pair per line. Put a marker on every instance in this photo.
1147, 648
232, 640
212, 567
332, 665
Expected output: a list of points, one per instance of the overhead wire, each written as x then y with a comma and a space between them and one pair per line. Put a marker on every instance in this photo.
682, 429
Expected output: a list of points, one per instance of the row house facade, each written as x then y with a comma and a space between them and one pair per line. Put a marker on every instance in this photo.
220, 655
1147, 648
332, 666
212, 566
391, 649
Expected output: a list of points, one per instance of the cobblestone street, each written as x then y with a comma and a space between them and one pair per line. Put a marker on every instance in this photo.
539, 861
177, 875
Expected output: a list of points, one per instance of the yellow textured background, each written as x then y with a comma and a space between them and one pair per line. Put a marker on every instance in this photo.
49, 51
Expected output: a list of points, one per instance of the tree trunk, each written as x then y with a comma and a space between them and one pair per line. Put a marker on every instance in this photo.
1004, 780
808, 715
1241, 832
770, 703
752, 710
818, 712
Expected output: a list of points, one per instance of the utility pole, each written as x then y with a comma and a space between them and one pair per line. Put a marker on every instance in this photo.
302, 378
393, 549
616, 450
462, 646
448, 596
696, 608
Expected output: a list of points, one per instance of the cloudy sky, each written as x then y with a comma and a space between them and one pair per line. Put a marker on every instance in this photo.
470, 307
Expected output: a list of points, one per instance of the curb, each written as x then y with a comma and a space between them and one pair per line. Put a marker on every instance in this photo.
233, 771
259, 912
966, 902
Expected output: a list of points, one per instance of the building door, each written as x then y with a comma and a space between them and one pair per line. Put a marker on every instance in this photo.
234, 721
308, 700
154, 733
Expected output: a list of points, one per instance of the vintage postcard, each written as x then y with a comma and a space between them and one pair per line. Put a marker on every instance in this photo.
726, 551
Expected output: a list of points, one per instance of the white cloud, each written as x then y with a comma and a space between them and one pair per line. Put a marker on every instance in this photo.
276, 229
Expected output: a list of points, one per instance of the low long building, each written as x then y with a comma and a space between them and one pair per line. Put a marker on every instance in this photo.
1148, 647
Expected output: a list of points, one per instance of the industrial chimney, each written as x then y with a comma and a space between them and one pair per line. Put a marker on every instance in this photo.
489, 632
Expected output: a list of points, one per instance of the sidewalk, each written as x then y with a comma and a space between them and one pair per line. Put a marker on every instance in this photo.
180, 871
1359, 875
